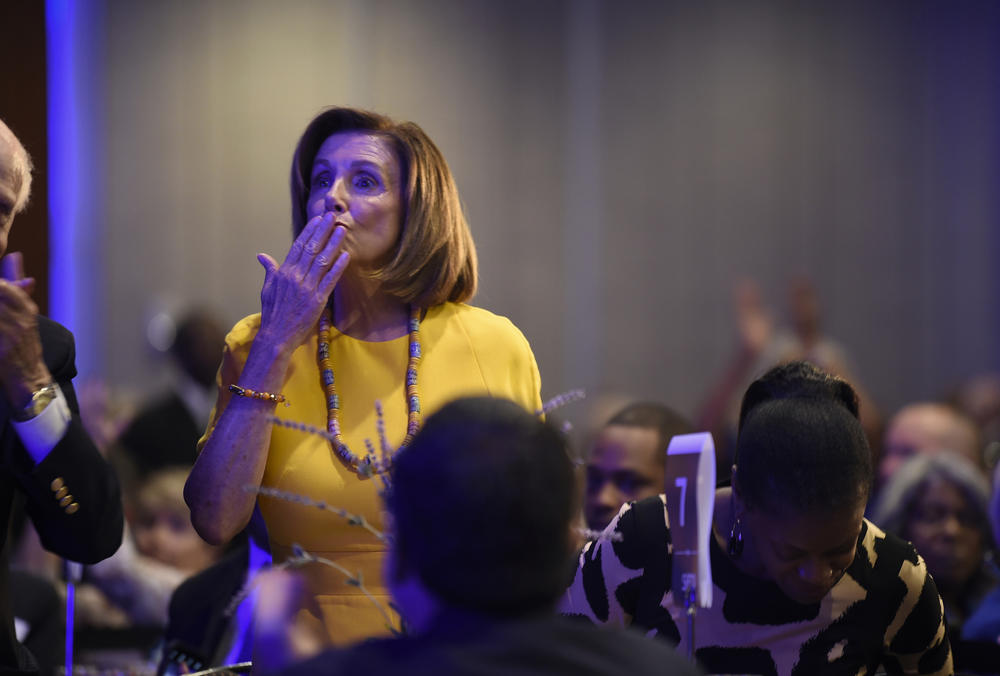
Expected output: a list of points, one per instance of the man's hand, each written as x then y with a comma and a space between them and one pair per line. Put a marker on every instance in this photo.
22, 369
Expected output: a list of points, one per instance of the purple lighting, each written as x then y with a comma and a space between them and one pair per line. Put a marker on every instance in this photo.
75, 165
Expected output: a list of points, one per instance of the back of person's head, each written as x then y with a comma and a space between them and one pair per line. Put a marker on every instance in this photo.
198, 346
800, 444
667, 422
482, 502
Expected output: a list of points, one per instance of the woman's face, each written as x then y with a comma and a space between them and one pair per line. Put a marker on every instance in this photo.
804, 554
943, 527
356, 177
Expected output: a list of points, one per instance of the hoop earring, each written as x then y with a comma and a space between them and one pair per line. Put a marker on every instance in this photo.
735, 545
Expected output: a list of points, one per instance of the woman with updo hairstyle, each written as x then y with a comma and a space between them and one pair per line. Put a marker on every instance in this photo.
803, 583
367, 311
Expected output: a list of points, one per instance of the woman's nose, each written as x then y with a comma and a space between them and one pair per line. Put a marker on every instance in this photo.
336, 198
815, 572
951, 526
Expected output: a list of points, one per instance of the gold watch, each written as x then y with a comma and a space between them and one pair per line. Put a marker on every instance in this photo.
39, 400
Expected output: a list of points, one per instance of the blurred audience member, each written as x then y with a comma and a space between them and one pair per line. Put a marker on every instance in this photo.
38, 618
927, 429
939, 502
984, 623
763, 345
162, 551
166, 432
628, 458
482, 503
979, 398
204, 622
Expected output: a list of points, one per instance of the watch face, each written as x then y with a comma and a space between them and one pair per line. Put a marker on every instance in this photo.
39, 400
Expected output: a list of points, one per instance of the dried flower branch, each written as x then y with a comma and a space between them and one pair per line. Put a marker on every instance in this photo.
561, 400
352, 519
300, 557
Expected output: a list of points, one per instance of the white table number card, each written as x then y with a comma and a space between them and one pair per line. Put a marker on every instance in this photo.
690, 489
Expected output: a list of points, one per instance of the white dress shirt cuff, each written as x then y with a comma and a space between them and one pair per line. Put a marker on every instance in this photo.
41, 433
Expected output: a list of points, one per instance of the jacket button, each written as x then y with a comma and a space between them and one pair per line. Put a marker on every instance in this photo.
61, 492
66, 500
72, 507
57, 483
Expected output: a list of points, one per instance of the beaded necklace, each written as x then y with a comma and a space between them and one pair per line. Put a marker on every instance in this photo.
368, 465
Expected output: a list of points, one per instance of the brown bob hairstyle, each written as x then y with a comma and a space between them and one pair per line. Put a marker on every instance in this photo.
435, 258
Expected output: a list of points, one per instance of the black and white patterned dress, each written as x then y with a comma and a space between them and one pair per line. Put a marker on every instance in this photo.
885, 610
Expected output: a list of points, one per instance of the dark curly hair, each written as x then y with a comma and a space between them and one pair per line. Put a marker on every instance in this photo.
800, 444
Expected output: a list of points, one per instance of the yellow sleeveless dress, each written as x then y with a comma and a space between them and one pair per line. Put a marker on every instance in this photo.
465, 351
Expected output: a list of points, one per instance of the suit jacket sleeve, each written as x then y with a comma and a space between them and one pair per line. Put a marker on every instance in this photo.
74, 469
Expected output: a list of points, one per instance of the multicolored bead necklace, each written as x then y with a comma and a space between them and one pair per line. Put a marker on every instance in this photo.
369, 465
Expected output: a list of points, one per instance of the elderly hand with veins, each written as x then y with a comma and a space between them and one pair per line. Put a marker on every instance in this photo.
22, 369
295, 293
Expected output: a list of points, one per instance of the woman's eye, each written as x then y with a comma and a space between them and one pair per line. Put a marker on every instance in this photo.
787, 555
364, 182
321, 181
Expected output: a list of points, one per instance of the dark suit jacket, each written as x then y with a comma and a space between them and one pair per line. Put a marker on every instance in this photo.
465, 644
87, 533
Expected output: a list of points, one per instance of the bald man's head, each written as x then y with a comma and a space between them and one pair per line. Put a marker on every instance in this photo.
929, 428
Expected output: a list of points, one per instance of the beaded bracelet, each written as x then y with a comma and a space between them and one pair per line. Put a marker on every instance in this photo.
264, 396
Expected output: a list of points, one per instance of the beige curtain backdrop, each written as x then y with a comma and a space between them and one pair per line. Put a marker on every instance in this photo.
622, 164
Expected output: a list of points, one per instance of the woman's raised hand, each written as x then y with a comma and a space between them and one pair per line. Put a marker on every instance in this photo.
295, 293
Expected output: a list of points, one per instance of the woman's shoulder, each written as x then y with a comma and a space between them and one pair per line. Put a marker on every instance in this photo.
489, 334
492, 349
883, 557
473, 319
243, 332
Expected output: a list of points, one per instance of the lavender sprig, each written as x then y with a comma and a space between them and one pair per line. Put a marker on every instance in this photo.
561, 400
352, 519
300, 557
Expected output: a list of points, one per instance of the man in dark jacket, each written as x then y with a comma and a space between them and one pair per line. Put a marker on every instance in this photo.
47, 460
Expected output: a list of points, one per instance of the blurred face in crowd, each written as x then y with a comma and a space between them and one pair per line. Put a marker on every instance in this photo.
167, 535
926, 428
943, 526
626, 464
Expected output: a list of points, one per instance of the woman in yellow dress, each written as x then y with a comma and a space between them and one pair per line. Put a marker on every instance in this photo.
368, 306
